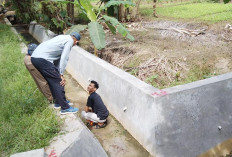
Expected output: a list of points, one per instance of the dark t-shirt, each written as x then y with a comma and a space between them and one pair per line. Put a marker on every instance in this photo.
96, 103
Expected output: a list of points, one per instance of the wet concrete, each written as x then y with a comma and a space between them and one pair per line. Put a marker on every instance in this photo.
114, 138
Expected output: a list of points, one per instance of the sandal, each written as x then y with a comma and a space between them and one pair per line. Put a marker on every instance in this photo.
100, 126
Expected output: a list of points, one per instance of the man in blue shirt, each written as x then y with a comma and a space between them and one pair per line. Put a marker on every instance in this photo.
95, 109
50, 59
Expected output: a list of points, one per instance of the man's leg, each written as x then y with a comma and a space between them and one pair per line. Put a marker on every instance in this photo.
40, 81
51, 74
92, 117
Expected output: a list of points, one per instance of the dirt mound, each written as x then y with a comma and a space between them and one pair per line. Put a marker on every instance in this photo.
168, 53
193, 32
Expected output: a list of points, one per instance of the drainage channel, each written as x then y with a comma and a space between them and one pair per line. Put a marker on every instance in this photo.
115, 140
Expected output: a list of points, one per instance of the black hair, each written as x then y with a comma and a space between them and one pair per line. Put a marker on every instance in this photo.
95, 84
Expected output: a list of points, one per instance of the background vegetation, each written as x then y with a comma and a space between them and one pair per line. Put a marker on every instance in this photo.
207, 12
26, 122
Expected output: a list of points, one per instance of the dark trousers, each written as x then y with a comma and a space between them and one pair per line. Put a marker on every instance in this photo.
52, 75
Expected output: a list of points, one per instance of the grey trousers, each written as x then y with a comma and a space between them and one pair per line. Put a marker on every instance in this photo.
40, 81
92, 116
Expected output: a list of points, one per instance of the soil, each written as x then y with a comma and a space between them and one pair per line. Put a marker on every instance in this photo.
114, 138
164, 57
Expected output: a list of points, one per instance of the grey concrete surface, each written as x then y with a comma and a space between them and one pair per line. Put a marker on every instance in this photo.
85, 145
40, 33
182, 121
75, 140
32, 153
178, 121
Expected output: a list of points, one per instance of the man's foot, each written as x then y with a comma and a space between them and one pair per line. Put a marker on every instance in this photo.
69, 110
57, 106
99, 126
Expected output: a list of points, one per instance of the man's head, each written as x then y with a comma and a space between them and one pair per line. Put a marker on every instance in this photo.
93, 86
76, 37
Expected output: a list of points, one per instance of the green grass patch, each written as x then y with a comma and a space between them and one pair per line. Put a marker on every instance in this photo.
211, 12
26, 122
197, 72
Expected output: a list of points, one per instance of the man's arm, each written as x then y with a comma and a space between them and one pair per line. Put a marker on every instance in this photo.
65, 56
57, 64
89, 105
88, 109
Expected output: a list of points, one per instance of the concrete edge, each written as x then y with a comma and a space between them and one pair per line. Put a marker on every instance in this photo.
31, 153
73, 139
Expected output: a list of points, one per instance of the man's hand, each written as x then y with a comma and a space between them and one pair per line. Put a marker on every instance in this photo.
88, 109
62, 82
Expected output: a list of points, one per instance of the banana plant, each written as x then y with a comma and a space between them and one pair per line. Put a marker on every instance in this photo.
95, 29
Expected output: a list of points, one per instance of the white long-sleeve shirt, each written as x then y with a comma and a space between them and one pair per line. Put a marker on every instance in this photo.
55, 49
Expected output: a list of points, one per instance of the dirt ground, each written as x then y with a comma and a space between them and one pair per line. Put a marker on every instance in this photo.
163, 56
114, 138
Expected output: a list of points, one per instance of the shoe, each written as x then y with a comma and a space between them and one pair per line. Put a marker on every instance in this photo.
69, 110
57, 106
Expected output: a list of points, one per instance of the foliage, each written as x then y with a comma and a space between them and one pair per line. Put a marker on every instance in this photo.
118, 26
152, 78
55, 16
226, 1
97, 34
211, 12
26, 122
25, 13
89, 9
76, 28
117, 3
96, 31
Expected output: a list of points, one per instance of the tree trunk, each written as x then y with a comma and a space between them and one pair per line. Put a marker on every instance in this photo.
70, 11
135, 11
121, 13
154, 9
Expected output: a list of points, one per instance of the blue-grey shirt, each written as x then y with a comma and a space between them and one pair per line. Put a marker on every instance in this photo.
55, 50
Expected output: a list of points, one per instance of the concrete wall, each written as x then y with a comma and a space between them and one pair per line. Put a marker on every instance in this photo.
75, 140
181, 121
40, 33
85, 145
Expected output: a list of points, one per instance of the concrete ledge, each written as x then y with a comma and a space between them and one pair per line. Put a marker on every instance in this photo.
183, 121
32, 153
40, 33
85, 145
75, 140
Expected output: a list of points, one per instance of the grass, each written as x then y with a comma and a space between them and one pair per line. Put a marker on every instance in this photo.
26, 122
194, 75
209, 12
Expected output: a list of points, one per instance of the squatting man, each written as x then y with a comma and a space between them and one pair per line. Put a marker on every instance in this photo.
95, 109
